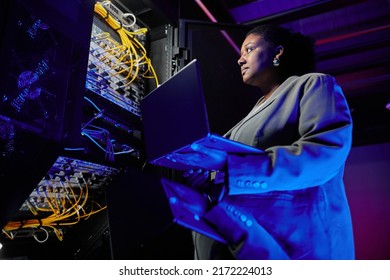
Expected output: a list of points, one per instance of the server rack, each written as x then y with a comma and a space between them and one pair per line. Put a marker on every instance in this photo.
70, 123
44, 49
43, 58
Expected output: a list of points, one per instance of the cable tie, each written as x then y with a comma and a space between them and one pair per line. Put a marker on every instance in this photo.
21, 224
107, 15
120, 26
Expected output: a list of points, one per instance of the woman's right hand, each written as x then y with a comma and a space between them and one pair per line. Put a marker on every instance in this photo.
201, 157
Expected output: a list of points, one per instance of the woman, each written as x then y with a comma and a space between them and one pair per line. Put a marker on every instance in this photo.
289, 202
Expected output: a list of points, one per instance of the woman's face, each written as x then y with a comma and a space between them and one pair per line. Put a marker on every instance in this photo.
256, 60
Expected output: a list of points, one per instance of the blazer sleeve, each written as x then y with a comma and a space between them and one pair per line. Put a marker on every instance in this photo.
325, 130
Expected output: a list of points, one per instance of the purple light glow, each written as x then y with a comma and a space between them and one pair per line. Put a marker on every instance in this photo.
262, 9
213, 19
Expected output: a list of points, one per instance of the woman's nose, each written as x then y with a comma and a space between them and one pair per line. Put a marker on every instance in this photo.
241, 61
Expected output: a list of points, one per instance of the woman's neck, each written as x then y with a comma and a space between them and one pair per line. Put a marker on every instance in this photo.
270, 90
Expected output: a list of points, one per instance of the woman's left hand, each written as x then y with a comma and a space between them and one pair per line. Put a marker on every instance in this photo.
198, 179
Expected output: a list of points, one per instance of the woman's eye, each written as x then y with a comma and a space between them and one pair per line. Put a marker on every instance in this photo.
248, 50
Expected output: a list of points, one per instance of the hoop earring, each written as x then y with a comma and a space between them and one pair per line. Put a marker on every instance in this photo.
276, 62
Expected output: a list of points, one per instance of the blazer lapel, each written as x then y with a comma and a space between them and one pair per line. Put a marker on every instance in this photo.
251, 114
257, 111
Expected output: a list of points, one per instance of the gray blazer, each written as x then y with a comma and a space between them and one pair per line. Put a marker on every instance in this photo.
289, 202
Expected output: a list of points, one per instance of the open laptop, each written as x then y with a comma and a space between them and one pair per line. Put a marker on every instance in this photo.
174, 117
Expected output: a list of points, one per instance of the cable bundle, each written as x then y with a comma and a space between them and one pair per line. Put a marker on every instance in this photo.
134, 53
62, 204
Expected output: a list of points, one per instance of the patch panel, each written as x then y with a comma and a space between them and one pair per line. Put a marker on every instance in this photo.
118, 63
71, 191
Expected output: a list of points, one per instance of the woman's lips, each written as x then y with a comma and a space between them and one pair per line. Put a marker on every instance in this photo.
243, 71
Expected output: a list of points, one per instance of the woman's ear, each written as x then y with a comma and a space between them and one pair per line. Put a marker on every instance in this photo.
279, 51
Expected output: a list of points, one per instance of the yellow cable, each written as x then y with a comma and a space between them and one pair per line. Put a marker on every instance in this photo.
66, 211
125, 36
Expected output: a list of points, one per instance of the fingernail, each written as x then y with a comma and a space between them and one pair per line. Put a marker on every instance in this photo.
195, 146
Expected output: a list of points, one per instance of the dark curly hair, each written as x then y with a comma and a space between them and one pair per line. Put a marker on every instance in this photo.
299, 55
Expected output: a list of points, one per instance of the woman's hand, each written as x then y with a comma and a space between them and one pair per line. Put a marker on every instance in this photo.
202, 157
247, 238
198, 179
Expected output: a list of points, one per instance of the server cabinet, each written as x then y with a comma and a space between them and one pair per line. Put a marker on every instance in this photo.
71, 130
45, 47
43, 51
